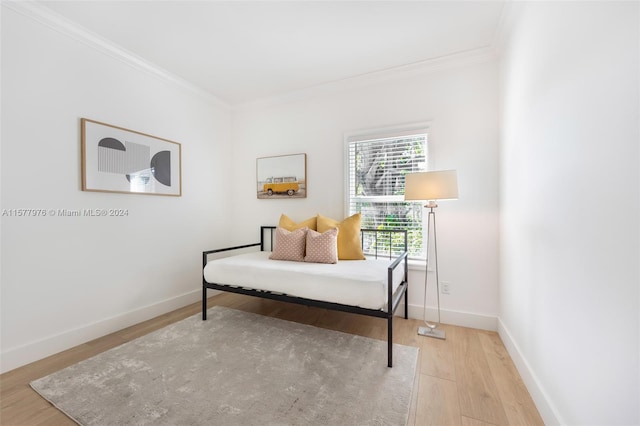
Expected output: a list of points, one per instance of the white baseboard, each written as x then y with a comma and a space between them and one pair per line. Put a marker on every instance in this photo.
34, 351
463, 319
545, 407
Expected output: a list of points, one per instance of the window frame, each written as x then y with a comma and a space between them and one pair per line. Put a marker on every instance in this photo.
383, 133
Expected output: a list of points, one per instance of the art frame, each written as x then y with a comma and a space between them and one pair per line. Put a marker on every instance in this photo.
115, 159
282, 177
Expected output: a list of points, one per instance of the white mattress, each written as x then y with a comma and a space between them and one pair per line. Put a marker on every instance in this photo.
360, 283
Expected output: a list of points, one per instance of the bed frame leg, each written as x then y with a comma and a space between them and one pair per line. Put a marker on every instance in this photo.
204, 303
406, 303
390, 341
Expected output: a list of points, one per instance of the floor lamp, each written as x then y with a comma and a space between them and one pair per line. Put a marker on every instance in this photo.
431, 186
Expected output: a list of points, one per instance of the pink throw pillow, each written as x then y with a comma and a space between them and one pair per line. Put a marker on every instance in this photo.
289, 245
322, 247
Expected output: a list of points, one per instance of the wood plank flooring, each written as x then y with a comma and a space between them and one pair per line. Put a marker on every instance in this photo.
467, 379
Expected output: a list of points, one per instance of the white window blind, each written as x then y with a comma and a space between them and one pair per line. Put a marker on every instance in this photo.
377, 168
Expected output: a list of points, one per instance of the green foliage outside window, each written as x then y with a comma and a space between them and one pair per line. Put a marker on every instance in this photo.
378, 170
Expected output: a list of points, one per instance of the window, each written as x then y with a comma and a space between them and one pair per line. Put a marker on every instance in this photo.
377, 165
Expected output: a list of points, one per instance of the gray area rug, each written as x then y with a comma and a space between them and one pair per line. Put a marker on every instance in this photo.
238, 368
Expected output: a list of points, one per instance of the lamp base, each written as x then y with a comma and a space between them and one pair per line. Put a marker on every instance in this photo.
432, 332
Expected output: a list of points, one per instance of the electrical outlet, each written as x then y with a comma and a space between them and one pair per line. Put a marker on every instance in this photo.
445, 287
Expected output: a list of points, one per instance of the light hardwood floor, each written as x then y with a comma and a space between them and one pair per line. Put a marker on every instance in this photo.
467, 379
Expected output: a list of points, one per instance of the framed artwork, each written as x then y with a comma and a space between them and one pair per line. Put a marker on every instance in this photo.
115, 159
284, 176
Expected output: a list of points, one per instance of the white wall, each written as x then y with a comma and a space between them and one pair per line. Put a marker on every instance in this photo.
570, 208
460, 103
568, 299
66, 280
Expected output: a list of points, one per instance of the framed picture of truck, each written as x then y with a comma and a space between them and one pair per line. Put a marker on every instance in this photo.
283, 176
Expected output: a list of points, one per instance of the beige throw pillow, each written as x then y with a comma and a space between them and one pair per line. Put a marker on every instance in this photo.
322, 247
289, 245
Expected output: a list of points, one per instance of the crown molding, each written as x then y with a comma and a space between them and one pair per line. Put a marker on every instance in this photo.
453, 61
49, 18
510, 12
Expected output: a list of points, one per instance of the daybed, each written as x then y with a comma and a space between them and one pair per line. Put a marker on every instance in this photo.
373, 287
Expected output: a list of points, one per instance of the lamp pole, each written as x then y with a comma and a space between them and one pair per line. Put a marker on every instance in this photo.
431, 330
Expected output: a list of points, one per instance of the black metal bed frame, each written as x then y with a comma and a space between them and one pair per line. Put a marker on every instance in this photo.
393, 298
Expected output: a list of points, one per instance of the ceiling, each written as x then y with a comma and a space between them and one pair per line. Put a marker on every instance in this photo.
242, 51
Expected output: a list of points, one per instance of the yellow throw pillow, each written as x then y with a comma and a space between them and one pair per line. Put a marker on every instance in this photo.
349, 247
287, 223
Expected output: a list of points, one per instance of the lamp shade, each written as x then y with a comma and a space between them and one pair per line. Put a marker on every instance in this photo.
440, 185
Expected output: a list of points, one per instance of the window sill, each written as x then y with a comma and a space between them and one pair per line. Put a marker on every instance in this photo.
417, 265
